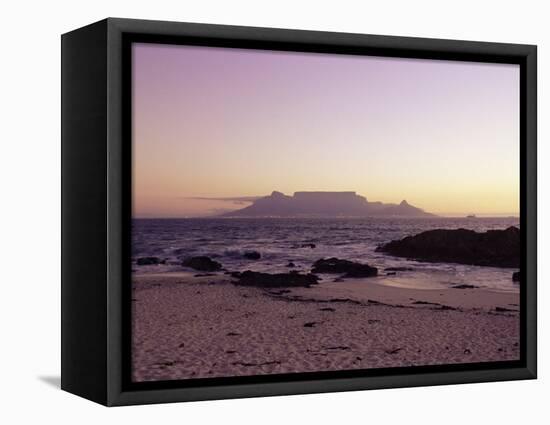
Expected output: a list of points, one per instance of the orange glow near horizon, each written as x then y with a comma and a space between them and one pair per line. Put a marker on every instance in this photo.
215, 123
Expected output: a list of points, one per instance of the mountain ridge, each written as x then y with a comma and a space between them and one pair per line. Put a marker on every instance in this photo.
325, 204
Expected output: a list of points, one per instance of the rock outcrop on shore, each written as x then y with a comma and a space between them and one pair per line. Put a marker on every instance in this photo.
345, 267
202, 263
268, 280
495, 248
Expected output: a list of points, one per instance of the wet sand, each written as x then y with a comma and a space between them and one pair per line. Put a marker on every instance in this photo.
204, 327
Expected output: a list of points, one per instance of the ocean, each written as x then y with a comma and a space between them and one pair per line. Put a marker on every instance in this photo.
284, 240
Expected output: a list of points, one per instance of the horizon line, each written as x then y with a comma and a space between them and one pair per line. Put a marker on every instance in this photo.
435, 216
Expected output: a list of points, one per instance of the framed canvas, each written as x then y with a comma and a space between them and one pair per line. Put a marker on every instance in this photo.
253, 212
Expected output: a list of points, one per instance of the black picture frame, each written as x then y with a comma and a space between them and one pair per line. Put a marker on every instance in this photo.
96, 183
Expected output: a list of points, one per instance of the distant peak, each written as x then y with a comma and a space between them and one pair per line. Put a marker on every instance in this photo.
324, 204
319, 194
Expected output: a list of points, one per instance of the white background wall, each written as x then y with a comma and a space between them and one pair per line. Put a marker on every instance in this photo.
30, 199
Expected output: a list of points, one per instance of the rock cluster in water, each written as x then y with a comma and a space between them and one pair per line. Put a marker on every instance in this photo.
202, 263
268, 280
495, 248
252, 255
345, 267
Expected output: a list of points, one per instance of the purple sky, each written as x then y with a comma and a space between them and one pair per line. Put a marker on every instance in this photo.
214, 122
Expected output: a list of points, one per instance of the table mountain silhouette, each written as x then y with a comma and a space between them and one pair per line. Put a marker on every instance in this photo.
324, 204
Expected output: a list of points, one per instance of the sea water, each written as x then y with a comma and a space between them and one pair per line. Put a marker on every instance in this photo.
283, 240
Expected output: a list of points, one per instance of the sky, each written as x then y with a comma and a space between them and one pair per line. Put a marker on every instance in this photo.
224, 123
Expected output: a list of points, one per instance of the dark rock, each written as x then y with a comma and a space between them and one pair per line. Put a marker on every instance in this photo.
464, 286
252, 255
202, 263
516, 277
447, 307
310, 324
391, 273
349, 268
148, 261
280, 292
495, 248
374, 302
268, 280
291, 264
425, 303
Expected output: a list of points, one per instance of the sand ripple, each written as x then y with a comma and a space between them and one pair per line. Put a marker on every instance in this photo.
197, 328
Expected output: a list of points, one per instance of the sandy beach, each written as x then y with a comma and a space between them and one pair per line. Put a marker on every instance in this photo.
202, 327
